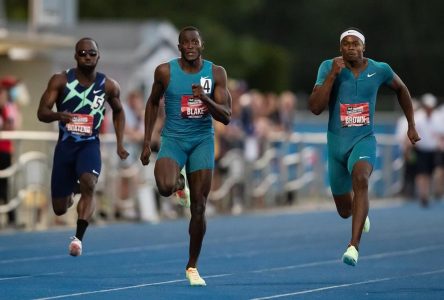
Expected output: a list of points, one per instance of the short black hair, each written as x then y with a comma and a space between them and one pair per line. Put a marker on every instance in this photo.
87, 39
189, 28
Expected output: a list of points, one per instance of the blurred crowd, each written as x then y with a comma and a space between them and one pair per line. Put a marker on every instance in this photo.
256, 117
424, 163
13, 95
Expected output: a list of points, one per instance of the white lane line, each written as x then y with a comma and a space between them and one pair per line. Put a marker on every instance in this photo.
29, 276
404, 252
348, 285
367, 257
251, 237
125, 288
277, 269
157, 247
98, 253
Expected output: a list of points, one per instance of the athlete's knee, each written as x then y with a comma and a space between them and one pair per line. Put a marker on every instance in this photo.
87, 185
165, 186
344, 204
61, 205
165, 190
59, 211
345, 213
87, 188
198, 209
360, 181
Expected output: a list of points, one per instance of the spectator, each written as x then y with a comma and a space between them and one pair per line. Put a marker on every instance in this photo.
426, 149
438, 117
228, 139
408, 153
287, 109
9, 119
134, 133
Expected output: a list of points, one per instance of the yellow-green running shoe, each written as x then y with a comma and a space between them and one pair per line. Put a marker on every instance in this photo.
366, 225
350, 256
194, 278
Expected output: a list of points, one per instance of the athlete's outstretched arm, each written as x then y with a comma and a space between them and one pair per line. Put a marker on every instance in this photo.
405, 101
320, 96
112, 91
220, 107
49, 97
161, 77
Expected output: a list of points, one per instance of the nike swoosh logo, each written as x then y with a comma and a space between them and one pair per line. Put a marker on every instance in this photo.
96, 91
370, 75
95, 172
362, 157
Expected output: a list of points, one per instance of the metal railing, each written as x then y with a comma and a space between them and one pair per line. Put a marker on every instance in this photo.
297, 163
291, 163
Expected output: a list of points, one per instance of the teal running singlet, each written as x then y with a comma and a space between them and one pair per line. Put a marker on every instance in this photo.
350, 135
86, 103
186, 116
352, 100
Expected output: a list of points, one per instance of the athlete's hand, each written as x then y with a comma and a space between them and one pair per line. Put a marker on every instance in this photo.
338, 65
145, 156
64, 117
122, 153
197, 91
413, 135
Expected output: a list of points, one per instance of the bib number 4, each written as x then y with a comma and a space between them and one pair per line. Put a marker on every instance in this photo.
206, 84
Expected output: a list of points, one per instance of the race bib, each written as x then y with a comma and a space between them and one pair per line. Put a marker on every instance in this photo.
206, 84
193, 108
81, 124
353, 115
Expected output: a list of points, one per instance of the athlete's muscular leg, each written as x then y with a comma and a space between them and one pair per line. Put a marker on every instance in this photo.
200, 184
344, 204
360, 178
60, 205
86, 205
167, 176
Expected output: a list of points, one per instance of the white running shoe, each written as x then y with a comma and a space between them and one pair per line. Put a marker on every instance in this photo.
183, 195
366, 225
75, 247
350, 256
194, 278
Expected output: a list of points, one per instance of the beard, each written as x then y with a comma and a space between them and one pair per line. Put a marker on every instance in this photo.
87, 68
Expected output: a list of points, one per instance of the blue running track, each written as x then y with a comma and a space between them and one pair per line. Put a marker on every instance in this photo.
287, 255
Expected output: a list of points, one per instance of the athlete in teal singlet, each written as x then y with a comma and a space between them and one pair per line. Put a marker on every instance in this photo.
79, 95
349, 84
195, 92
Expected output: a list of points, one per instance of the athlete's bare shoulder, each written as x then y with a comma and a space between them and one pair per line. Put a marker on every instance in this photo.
163, 69
219, 72
112, 87
58, 81
61, 77
162, 74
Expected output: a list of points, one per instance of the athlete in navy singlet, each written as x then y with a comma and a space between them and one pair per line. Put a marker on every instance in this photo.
348, 85
195, 92
79, 95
